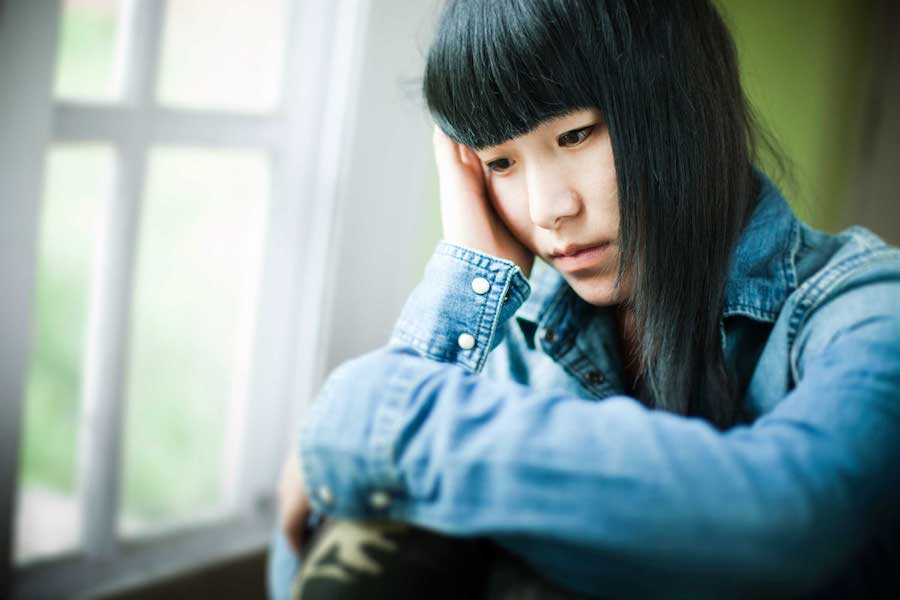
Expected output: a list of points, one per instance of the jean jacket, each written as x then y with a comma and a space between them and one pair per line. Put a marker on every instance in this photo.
497, 409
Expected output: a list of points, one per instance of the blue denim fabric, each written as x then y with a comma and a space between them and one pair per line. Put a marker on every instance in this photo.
283, 565
527, 437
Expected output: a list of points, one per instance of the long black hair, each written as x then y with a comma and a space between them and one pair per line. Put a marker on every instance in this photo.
665, 77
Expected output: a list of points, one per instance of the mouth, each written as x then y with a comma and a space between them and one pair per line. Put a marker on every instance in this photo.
576, 249
573, 258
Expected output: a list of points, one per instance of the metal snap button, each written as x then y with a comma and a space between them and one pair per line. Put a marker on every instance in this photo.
379, 500
466, 341
480, 285
595, 377
325, 494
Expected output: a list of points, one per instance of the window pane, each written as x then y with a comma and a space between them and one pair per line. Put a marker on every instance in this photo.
197, 273
222, 55
88, 49
78, 179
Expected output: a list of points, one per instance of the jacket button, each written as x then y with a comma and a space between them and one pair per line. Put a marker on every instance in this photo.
379, 500
480, 285
595, 377
549, 335
325, 495
466, 341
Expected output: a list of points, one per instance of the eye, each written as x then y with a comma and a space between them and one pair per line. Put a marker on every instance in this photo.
575, 137
499, 165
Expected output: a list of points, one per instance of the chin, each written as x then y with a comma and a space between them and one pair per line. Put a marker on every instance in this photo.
598, 293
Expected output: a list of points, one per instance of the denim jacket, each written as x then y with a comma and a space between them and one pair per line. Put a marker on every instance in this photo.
497, 409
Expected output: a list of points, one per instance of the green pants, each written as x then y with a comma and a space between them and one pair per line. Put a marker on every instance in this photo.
372, 560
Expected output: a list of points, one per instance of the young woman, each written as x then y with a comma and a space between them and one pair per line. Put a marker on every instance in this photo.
693, 395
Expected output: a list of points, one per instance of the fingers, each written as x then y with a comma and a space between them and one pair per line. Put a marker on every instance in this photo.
293, 524
301, 536
467, 156
295, 541
314, 524
296, 527
451, 156
444, 148
294, 506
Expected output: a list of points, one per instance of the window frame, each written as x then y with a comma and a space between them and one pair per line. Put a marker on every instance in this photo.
324, 43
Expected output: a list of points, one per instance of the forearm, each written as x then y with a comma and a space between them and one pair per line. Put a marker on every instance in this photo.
599, 487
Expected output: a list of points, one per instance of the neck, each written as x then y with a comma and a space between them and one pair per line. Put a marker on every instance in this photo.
628, 336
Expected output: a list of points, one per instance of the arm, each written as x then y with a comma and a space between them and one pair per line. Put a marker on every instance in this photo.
464, 291
609, 496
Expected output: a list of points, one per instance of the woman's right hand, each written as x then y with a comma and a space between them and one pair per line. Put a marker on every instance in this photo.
467, 216
293, 504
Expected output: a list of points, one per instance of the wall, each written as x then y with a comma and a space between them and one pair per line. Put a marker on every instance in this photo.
26, 31
873, 200
389, 213
805, 67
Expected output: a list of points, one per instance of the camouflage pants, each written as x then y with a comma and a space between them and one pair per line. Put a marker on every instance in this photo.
350, 560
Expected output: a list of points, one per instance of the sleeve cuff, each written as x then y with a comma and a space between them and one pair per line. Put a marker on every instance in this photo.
455, 314
345, 456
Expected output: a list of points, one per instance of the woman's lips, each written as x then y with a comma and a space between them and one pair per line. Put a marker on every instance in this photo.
582, 258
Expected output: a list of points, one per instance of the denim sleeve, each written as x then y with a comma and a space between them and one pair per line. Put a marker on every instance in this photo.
455, 313
610, 498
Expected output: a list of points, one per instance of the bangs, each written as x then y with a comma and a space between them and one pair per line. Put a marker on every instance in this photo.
497, 70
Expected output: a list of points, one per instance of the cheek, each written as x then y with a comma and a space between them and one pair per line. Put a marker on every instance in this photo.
602, 200
603, 176
510, 204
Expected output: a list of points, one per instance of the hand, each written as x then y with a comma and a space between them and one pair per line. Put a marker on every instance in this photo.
467, 215
293, 504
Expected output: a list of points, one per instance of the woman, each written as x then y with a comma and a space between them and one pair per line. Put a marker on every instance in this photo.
696, 396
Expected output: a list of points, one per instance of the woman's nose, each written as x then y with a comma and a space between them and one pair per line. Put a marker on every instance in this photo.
551, 201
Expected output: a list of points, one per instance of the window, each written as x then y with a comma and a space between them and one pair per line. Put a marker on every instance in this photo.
182, 210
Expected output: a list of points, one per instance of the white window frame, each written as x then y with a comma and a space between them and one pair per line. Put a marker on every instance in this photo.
324, 45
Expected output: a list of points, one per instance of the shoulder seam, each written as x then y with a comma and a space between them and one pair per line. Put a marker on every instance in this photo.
820, 287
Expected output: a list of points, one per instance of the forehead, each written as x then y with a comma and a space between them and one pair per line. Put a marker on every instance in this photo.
575, 118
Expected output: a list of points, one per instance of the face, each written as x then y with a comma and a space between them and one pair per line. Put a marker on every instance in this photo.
555, 189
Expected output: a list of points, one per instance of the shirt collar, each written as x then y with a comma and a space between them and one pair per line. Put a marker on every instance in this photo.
763, 269
761, 276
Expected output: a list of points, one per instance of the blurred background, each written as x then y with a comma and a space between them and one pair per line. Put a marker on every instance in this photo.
208, 205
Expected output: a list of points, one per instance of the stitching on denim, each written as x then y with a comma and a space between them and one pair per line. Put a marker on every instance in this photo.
790, 257
821, 287
497, 303
473, 257
424, 345
788, 272
485, 319
749, 310
311, 473
386, 428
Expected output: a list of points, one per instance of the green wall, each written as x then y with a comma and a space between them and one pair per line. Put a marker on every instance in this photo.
805, 66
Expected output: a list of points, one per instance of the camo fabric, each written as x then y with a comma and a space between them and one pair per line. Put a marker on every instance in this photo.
382, 559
